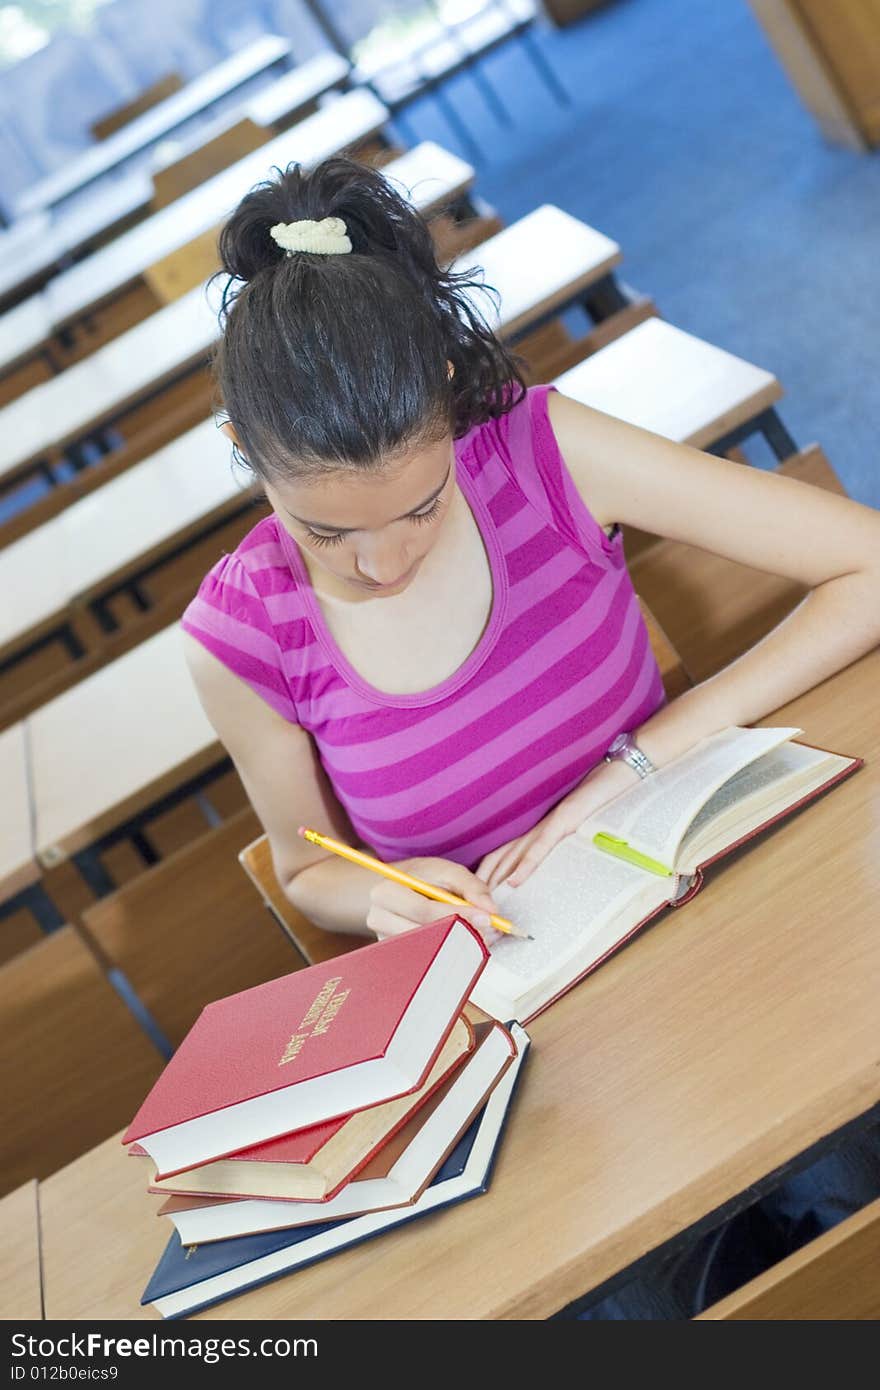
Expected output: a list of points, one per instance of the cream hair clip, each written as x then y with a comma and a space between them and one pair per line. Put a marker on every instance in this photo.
325, 238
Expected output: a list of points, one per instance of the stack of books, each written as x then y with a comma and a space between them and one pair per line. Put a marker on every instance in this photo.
309, 1113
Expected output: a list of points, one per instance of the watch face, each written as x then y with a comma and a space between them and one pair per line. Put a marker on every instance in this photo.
618, 744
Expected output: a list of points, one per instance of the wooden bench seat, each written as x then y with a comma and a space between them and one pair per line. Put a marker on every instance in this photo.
190, 929
314, 943
194, 168
26, 909
164, 87
74, 1061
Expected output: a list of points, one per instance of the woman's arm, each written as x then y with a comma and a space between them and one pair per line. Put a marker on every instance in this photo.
287, 787
826, 542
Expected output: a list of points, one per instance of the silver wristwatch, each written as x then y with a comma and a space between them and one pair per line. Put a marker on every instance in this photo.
626, 749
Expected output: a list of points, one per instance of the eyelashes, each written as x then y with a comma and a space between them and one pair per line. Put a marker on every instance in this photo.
420, 518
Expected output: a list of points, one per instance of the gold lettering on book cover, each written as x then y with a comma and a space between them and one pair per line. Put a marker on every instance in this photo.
330, 1012
321, 1013
317, 1004
293, 1048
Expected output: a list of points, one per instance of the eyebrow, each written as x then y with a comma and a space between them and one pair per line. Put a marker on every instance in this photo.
345, 530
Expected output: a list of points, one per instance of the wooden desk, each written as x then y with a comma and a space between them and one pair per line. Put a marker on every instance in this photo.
344, 122
56, 239
94, 544
539, 264
21, 1295
99, 388
267, 52
278, 104
24, 331
720, 1045
668, 381
115, 744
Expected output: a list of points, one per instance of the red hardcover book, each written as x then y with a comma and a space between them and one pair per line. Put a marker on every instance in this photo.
643, 852
310, 1046
396, 1175
311, 1165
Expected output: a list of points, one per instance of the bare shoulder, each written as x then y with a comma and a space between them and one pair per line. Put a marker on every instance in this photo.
630, 475
212, 679
237, 713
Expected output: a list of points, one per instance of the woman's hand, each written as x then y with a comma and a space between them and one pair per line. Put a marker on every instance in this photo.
515, 860
395, 908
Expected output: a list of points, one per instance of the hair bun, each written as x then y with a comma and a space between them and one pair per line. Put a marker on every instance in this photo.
246, 247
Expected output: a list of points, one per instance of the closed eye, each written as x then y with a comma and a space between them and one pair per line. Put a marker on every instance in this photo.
335, 538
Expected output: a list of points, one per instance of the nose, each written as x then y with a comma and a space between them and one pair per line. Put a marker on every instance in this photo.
381, 562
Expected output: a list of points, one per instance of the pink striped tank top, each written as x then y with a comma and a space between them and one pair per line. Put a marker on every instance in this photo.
563, 664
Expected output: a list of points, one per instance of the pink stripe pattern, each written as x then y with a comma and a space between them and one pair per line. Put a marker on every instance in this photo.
563, 665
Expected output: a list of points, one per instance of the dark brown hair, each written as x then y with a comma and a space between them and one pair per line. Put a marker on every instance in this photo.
340, 361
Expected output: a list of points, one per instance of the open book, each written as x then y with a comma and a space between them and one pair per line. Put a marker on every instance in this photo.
642, 852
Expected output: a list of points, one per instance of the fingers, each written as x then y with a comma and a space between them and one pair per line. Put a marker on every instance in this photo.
447, 874
507, 861
534, 852
394, 909
489, 863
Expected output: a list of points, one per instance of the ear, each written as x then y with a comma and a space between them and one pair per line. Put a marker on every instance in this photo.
450, 370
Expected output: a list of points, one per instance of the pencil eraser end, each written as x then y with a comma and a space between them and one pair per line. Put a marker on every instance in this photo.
300, 830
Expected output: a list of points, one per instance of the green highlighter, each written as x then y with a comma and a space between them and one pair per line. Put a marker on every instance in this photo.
612, 845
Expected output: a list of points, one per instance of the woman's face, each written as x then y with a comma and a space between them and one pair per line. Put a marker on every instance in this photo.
372, 530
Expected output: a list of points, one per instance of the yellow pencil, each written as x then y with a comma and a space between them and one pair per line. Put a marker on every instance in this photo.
440, 895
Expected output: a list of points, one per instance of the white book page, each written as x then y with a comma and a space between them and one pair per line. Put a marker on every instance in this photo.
572, 894
654, 815
743, 801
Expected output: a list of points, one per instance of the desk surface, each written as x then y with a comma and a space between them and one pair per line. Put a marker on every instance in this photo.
57, 237
24, 330
20, 1285
725, 1040
113, 744
280, 101
125, 523
352, 117
665, 380
100, 386
538, 264
138, 134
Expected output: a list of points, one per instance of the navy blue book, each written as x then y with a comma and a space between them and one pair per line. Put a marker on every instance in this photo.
188, 1278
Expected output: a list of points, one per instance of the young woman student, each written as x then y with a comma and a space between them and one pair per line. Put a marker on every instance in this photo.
432, 648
